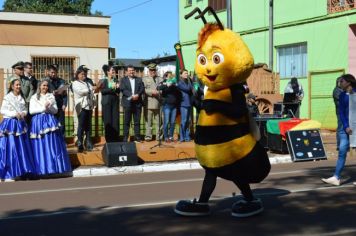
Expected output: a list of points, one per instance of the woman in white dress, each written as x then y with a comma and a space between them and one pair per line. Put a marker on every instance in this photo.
16, 157
49, 148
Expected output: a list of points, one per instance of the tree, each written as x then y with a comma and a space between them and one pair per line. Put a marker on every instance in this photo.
80, 7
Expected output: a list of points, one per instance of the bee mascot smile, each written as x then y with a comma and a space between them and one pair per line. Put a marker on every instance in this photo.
225, 146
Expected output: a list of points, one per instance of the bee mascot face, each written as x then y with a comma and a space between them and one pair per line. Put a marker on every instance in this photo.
224, 144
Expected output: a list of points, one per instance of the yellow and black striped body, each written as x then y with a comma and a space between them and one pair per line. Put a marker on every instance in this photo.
222, 133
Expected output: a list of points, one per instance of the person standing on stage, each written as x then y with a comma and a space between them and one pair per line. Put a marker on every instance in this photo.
348, 85
49, 148
110, 102
56, 85
28, 72
171, 98
84, 104
132, 89
186, 88
152, 101
16, 158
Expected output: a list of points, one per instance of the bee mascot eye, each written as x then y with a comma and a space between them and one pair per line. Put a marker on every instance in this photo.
202, 59
218, 58
224, 144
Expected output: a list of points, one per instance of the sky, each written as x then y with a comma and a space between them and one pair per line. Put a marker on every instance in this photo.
140, 28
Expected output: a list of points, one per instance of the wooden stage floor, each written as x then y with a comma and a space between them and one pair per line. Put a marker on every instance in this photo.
146, 151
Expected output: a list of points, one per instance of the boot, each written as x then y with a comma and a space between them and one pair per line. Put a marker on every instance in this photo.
89, 145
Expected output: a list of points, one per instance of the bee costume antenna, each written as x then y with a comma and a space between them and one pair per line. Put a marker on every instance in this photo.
202, 14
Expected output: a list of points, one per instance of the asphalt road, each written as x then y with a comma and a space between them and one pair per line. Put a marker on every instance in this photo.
296, 203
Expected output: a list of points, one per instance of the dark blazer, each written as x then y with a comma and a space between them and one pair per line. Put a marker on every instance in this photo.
125, 88
107, 93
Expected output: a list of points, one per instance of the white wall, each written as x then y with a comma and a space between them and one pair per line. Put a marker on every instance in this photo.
94, 58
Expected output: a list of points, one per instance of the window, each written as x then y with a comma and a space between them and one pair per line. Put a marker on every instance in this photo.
218, 5
188, 2
66, 66
292, 60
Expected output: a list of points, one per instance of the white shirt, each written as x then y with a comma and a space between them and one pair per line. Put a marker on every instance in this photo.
38, 106
12, 104
132, 82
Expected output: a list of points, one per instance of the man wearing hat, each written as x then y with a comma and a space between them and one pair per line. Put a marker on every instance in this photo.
56, 85
152, 101
27, 87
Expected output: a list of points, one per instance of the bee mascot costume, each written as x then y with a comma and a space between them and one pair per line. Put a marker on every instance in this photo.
225, 146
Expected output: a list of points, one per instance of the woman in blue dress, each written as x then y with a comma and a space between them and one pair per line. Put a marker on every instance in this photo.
49, 148
16, 157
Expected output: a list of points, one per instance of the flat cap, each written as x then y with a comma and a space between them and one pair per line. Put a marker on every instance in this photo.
152, 66
18, 65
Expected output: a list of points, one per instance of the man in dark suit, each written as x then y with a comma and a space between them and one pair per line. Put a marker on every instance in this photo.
132, 89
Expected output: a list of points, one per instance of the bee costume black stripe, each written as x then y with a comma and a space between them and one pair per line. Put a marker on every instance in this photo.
225, 146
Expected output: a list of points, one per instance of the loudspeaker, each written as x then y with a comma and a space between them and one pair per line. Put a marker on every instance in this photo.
120, 154
305, 145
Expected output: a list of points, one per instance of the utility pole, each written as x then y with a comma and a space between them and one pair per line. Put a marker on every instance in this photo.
270, 35
229, 15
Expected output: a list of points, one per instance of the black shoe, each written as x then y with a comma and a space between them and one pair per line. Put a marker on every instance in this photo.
80, 147
192, 208
245, 208
138, 140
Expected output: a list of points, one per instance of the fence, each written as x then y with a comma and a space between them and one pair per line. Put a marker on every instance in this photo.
97, 126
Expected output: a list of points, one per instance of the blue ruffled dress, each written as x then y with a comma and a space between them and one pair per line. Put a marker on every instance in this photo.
16, 157
49, 148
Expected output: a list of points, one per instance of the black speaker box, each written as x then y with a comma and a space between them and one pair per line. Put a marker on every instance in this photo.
305, 145
120, 154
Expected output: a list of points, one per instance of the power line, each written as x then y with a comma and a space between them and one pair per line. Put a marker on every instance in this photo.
129, 8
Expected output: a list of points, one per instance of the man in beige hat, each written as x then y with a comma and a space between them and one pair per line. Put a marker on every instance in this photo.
151, 102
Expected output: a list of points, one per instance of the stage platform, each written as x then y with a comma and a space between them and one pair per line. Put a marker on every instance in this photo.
146, 152
175, 152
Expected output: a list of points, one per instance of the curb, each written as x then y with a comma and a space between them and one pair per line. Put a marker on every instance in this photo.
156, 167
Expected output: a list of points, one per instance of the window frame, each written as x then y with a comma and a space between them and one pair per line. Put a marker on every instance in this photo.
295, 59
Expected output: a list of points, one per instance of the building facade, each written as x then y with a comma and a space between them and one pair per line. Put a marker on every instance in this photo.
314, 41
65, 40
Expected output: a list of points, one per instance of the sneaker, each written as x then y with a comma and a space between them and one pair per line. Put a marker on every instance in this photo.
147, 138
245, 208
192, 208
332, 180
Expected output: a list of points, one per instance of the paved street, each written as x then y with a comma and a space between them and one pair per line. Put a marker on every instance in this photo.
296, 202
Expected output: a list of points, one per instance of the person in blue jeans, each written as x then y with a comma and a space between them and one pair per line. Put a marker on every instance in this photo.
336, 93
348, 85
171, 98
186, 88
